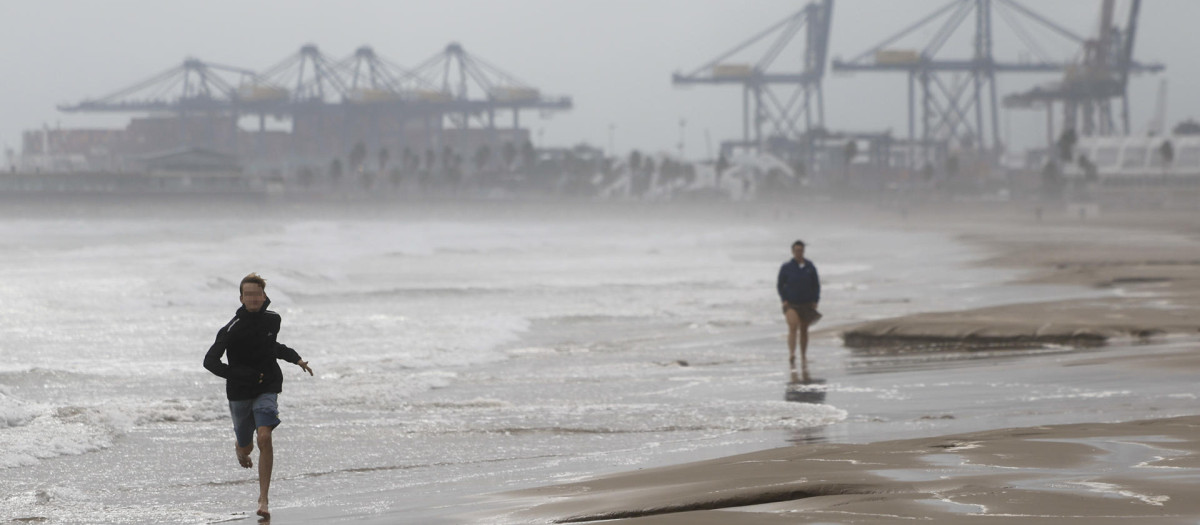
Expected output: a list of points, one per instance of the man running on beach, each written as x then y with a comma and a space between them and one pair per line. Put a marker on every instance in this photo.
800, 290
253, 379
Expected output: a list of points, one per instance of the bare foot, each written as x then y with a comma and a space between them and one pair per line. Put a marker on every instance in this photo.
262, 511
243, 456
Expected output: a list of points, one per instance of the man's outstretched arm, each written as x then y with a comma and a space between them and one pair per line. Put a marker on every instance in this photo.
285, 353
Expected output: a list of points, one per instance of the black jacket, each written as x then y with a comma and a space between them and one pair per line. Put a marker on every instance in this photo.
249, 341
798, 285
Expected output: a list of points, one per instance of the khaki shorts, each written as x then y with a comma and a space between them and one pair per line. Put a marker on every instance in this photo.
807, 311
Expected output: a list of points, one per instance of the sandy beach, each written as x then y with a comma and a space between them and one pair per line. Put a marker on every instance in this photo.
1152, 257
621, 362
1107, 462
1092, 473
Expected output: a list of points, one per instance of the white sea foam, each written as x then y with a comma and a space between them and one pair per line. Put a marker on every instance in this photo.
437, 338
12, 412
601, 418
374, 302
1079, 394
64, 431
1117, 490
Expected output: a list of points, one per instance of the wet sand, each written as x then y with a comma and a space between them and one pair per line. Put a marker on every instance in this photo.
1085, 473
1152, 261
1105, 466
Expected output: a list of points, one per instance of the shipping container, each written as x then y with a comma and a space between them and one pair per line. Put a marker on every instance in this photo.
732, 70
897, 56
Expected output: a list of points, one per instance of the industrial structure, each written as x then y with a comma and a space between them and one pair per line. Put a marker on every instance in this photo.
1089, 87
332, 106
311, 109
953, 101
779, 95
958, 106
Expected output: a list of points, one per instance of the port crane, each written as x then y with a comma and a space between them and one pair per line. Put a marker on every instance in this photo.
958, 106
1089, 87
781, 95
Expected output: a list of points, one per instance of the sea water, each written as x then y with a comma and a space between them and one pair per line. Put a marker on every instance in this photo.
458, 349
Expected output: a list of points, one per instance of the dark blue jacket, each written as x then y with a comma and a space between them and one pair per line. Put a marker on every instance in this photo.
798, 285
248, 342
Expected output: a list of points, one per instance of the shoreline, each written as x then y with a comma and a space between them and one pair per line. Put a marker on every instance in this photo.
1148, 260
1052, 473
1155, 274
651, 396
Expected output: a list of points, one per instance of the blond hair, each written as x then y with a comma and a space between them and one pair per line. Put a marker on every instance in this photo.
252, 278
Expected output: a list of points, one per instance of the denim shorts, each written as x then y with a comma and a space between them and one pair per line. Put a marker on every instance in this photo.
249, 414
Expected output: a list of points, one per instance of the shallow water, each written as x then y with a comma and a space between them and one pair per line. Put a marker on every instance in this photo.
458, 351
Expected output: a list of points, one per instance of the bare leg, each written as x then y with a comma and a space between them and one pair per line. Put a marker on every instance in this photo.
243, 454
793, 321
266, 459
804, 344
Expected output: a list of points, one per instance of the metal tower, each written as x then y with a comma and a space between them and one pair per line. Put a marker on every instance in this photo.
306, 77
954, 109
1088, 89
194, 86
759, 81
370, 78
468, 87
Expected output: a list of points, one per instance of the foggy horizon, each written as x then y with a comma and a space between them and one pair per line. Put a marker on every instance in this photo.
614, 59
504, 331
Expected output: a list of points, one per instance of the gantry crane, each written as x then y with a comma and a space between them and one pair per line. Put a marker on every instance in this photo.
306, 77
954, 110
193, 86
1101, 75
204, 97
467, 87
362, 97
760, 102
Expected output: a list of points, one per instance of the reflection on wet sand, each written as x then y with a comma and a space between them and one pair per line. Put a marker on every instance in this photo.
802, 388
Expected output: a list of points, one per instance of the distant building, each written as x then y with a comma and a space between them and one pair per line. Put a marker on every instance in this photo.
193, 169
314, 140
189, 161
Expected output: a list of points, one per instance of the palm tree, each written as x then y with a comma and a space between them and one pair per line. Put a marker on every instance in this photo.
952, 167
722, 165
848, 154
482, 156
397, 177
305, 177
447, 159
430, 159
335, 170
408, 161
357, 155
528, 155
510, 154
1066, 144
384, 156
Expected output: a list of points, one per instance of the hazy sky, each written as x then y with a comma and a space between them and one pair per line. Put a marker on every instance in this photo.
614, 57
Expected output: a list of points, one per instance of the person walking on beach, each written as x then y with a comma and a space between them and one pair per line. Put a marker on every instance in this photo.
253, 379
800, 290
